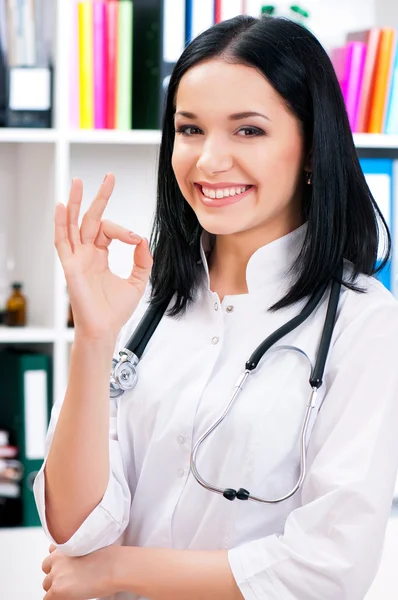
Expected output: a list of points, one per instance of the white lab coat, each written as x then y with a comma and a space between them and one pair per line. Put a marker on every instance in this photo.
324, 543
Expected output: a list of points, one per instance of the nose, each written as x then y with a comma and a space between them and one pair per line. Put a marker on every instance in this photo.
214, 157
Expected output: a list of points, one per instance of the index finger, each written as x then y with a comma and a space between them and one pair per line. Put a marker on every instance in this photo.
91, 221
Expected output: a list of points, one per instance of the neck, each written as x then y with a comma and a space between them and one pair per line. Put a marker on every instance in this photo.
231, 254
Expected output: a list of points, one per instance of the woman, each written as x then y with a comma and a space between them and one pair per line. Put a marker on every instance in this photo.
260, 199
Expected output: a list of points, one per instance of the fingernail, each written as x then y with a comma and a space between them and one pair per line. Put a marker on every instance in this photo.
135, 235
105, 178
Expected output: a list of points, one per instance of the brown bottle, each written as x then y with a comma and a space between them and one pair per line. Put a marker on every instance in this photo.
70, 316
16, 307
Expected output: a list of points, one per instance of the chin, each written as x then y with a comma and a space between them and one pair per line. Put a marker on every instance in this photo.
219, 226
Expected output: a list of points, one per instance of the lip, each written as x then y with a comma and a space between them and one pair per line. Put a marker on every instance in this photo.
222, 185
219, 202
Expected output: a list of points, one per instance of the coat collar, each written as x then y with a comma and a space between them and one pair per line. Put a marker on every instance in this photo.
269, 266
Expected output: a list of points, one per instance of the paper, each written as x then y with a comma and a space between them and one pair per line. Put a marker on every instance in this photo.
36, 409
30, 89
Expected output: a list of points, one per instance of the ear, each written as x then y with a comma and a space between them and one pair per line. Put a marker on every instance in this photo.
308, 162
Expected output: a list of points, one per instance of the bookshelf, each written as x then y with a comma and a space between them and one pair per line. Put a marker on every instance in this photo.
36, 167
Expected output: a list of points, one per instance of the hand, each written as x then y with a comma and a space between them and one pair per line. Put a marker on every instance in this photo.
80, 577
101, 301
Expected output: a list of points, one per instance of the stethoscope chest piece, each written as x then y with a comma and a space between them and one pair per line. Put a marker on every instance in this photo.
124, 374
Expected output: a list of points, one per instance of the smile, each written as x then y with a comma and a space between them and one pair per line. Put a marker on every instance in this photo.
222, 196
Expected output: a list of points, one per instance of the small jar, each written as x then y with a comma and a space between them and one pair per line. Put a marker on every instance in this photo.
16, 307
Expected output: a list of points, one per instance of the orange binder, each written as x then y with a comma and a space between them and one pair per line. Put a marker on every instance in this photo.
379, 96
371, 37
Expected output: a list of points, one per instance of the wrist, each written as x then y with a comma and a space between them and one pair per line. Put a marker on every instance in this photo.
122, 567
105, 342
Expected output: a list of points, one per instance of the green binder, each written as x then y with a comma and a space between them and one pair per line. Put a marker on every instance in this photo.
25, 407
124, 78
147, 48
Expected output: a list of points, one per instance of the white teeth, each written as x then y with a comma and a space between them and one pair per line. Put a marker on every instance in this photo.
223, 193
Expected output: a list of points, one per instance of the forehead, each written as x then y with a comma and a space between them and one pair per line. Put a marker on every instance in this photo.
219, 86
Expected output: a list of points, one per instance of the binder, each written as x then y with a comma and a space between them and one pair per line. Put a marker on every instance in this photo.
392, 109
85, 35
173, 44
112, 22
227, 9
124, 75
348, 62
371, 38
74, 116
379, 177
382, 82
158, 41
199, 17
99, 25
29, 97
3, 90
25, 407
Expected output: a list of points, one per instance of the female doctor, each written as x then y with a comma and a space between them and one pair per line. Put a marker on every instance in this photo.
261, 201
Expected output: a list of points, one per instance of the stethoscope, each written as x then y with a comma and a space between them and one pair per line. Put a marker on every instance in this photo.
124, 375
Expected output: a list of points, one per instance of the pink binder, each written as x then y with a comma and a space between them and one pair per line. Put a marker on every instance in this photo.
99, 24
348, 62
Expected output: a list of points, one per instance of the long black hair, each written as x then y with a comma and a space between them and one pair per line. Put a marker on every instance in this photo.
341, 214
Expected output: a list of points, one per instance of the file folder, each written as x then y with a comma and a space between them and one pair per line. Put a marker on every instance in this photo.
25, 407
158, 42
379, 177
29, 97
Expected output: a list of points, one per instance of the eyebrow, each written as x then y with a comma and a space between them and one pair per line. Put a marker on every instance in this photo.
234, 117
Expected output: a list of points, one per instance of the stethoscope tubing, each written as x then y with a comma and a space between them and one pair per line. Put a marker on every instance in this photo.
130, 356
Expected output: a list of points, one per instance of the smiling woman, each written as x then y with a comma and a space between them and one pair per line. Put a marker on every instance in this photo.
265, 231
224, 156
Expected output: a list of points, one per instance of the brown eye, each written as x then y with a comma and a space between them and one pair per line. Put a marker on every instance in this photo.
250, 132
188, 130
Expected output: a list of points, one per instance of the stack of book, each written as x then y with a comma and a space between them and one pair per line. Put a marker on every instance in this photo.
367, 70
26, 41
10, 476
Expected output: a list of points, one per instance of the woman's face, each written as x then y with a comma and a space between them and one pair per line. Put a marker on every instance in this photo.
238, 170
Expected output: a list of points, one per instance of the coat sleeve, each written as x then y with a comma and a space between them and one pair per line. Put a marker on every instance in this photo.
332, 544
109, 519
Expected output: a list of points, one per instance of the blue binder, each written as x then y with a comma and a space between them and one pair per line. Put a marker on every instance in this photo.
199, 16
379, 176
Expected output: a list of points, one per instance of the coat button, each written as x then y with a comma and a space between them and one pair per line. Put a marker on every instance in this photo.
181, 439
215, 306
180, 472
215, 340
229, 308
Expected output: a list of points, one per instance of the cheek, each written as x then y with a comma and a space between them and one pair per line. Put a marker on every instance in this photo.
182, 163
283, 167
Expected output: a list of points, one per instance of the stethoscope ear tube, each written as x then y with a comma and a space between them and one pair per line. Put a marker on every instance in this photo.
324, 344
140, 338
285, 329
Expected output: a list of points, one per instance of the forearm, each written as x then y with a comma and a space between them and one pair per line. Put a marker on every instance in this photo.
77, 468
166, 574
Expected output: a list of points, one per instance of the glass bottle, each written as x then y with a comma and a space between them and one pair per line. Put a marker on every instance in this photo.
70, 316
16, 307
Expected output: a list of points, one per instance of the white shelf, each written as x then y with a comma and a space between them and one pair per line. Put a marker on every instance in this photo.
140, 137
375, 140
36, 136
114, 136
26, 335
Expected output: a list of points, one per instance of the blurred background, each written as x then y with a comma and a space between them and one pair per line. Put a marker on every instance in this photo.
81, 93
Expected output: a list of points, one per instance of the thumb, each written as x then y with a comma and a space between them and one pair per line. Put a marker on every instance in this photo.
143, 262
